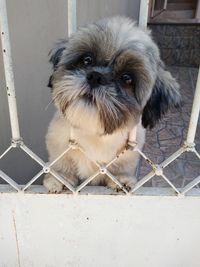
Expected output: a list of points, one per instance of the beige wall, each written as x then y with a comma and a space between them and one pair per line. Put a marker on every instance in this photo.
34, 27
90, 10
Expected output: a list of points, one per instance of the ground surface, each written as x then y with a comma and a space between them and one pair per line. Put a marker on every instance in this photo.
170, 134
178, 43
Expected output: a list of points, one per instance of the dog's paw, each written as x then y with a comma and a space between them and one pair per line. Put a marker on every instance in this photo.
127, 183
52, 185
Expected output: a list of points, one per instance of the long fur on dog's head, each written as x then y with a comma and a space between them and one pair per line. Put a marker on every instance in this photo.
110, 73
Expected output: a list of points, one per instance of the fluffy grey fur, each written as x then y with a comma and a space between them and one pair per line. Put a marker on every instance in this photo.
108, 78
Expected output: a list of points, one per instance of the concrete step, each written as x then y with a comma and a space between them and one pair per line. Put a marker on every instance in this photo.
181, 6
171, 15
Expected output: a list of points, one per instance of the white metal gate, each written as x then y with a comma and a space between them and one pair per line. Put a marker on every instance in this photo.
92, 226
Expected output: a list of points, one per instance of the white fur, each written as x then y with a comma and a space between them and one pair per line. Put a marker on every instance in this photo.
76, 167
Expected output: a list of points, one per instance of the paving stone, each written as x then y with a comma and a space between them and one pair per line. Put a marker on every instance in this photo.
168, 135
179, 44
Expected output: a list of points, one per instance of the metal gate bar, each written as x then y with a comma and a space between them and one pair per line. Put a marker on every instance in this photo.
17, 141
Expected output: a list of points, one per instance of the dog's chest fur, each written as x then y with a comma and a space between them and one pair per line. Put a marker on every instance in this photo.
99, 148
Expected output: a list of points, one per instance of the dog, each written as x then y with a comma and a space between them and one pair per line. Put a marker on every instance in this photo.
107, 79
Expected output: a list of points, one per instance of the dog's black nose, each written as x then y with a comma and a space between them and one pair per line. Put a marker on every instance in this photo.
95, 79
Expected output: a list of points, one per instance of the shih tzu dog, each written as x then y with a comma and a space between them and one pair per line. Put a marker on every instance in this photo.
107, 79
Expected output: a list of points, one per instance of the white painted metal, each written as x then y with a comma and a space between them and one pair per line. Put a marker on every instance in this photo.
143, 15
72, 21
145, 179
197, 13
97, 227
194, 113
7, 179
102, 190
191, 185
95, 230
165, 4
5, 152
32, 154
33, 180
197, 154
8, 67
174, 156
152, 8
17, 142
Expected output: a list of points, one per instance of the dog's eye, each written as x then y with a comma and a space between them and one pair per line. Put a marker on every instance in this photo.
87, 60
126, 78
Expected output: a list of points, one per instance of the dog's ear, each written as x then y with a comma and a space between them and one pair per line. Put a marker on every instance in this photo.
165, 95
56, 53
55, 56
50, 82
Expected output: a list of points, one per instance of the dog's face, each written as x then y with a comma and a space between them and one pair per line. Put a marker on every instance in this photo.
111, 73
